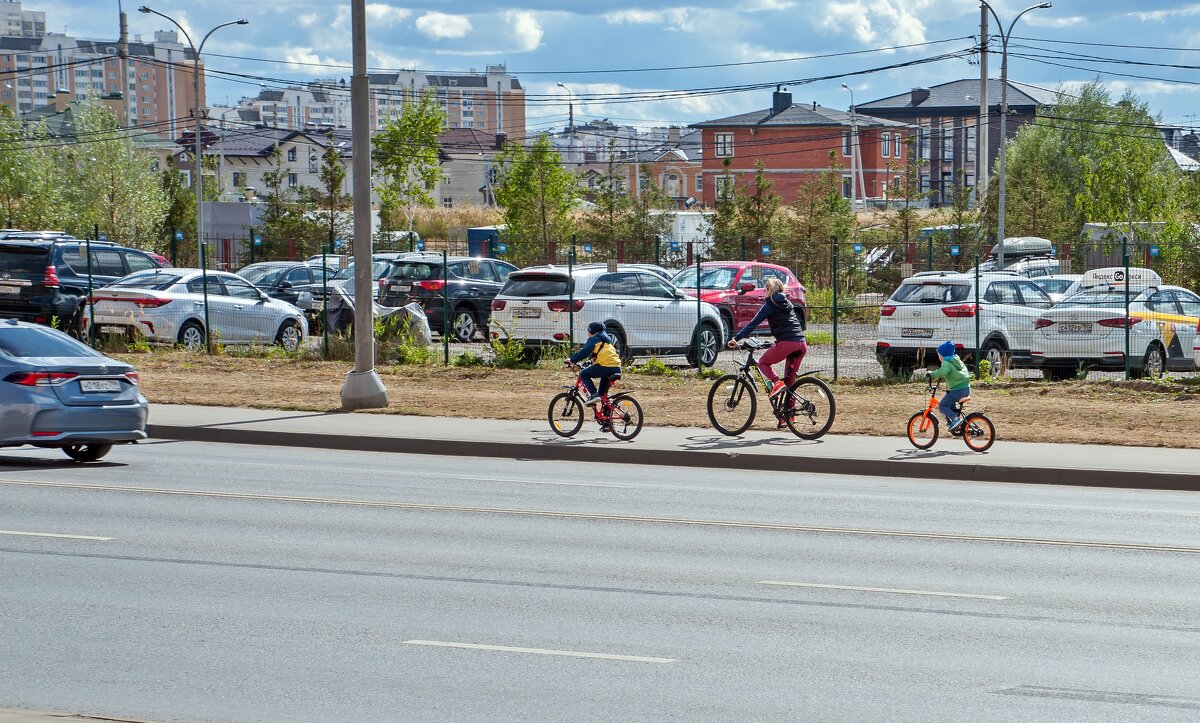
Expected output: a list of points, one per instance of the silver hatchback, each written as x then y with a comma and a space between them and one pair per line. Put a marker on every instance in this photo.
56, 392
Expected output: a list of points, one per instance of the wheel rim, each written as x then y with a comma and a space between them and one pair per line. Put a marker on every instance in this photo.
626, 418
464, 326
289, 339
708, 346
193, 338
732, 406
809, 409
1154, 362
979, 433
994, 357
922, 438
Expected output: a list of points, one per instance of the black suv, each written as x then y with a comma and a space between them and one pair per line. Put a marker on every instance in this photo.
473, 283
45, 280
283, 280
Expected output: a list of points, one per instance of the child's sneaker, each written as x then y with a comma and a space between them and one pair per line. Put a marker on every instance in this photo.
779, 387
594, 399
956, 428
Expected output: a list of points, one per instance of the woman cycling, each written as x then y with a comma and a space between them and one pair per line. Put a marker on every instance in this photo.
788, 331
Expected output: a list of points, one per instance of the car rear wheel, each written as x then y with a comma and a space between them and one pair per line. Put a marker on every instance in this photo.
1153, 364
619, 342
463, 324
87, 452
290, 337
993, 353
191, 336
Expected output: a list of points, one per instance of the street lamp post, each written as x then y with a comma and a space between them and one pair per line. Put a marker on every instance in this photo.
1004, 35
856, 172
196, 110
570, 123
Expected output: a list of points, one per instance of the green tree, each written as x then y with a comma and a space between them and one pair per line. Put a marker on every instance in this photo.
819, 213
724, 228
537, 194
603, 224
287, 229
647, 213
406, 152
329, 201
758, 206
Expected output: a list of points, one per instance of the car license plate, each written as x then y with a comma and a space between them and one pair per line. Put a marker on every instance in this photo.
100, 385
527, 313
112, 330
10, 290
1076, 328
917, 333
402, 287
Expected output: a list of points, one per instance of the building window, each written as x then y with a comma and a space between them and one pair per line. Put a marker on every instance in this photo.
447, 202
923, 143
947, 142
846, 143
971, 134
723, 187
699, 184
239, 178
145, 76
293, 180
886, 139
847, 186
291, 154
724, 145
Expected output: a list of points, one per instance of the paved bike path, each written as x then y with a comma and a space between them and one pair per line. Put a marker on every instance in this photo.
1023, 462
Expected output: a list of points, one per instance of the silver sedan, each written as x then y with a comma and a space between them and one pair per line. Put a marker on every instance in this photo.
168, 306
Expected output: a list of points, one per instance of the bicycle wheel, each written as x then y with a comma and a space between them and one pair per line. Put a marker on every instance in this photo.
731, 405
922, 438
813, 411
565, 414
626, 419
978, 432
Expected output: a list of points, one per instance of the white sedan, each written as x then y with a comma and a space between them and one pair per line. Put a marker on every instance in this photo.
168, 306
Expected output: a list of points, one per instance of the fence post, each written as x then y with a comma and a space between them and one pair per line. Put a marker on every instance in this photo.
252, 246
571, 295
204, 286
1125, 248
174, 248
91, 303
657, 249
835, 308
743, 256
324, 304
978, 312
929, 254
445, 308
699, 359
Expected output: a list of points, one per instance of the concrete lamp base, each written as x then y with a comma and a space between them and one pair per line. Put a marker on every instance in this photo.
364, 390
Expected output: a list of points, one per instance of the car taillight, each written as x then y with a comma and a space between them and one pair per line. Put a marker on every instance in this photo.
887, 310
142, 302
435, 285
1042, 323
959, 311
50, 278
576, 305
39, 379
133, 377
498, 305
1120, 322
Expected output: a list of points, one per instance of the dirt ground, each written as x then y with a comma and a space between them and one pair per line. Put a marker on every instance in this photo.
1133, 413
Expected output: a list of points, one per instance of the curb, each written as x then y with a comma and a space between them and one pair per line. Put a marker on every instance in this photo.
686, 458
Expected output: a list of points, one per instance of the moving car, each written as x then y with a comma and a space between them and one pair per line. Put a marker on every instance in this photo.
644, 313
1087, 330
466, 287
936, 306
57, 392
736, 289
167, 306
283, 279
44, 278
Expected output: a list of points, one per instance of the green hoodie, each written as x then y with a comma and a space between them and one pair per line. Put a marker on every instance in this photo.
954, 372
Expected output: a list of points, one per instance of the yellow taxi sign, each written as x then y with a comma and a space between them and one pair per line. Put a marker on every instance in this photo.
1134, 278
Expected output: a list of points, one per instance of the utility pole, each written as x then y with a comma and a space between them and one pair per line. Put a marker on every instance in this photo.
363, 389
982, 150
570, 123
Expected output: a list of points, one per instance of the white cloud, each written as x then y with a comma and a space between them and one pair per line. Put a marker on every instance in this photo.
1161, 15
525, 28
440, 26
1046, 21
384, 15
891, 22
387, 60
849, 17
298, 57
679, 19
308, 20
769, 5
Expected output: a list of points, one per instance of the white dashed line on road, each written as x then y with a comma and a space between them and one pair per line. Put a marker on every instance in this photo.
52, 534
540, 651
893, 591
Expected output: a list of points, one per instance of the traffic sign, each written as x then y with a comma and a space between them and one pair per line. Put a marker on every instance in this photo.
421, 245
1154, 250
954, 250
258, 239
500, 247
103, 235
858, 248
339, 242
766, 249
179, 235
674, 245
587, 248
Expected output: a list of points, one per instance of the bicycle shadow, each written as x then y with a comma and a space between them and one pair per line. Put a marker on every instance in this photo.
603, 438
702, 443
920, 454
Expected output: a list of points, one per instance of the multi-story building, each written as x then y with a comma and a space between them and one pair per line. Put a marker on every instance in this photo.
490, 102
157, 85
794, 142
21, 23
947, 116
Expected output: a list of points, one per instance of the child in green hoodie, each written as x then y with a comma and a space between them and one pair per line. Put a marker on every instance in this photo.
958, 382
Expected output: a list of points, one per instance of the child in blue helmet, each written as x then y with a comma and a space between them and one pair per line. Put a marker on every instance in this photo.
958, 382
606, 361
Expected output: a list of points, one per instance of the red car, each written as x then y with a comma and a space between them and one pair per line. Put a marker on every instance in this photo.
736, 288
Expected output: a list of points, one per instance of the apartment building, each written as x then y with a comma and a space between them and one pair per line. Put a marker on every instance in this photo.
21, 23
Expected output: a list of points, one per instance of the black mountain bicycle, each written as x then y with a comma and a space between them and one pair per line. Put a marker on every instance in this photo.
806, 406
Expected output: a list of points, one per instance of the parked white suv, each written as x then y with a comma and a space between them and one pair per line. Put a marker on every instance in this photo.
641, 310
938, 306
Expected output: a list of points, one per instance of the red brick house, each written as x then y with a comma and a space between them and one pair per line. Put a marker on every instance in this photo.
793, 141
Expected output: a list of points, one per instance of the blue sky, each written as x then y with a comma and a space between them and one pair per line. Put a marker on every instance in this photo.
544, 42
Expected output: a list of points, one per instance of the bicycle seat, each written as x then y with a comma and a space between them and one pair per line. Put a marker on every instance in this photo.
962, 402
614, 378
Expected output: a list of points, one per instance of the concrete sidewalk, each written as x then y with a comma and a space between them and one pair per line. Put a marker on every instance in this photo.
1067, 464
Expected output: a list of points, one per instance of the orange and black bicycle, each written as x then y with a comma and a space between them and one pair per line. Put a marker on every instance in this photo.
976, 430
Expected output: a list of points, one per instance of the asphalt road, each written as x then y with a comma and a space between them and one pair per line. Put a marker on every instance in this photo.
239, 583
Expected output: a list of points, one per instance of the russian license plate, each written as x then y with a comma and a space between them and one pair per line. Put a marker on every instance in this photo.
402, 287
1074, 328
10, 290
100, 385
917, 333
112, 330
527, 313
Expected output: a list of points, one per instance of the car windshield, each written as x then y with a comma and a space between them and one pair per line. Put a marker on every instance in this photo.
1107, 298
263, 275
931, 292
716, 278
23, 261
530, 285
379, 269
412, 271
156, 279
1054, 286
30, 342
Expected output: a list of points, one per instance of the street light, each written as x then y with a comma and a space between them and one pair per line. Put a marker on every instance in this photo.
1004, 35
570, 123
855, 157
196, 111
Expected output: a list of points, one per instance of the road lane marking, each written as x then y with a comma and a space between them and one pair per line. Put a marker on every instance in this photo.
52, 534
541, 651
880, 589
599, 516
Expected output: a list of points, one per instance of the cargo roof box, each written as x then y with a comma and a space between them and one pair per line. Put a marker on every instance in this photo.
1017, 246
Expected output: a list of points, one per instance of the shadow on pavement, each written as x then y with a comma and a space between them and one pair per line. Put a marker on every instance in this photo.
576, 442
299, 415
698, 444
910, 454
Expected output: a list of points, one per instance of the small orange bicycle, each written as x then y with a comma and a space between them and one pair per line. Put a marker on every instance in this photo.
976, 430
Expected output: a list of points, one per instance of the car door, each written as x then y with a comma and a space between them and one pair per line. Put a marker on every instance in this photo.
746, 305
621, 295
1033, 303
673, 319
1189, 308
254, 318
220, 306
1175, 329
482, 285
298, 277
107, 266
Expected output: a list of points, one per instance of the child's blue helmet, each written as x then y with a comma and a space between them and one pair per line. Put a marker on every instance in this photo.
595, 327
947, 348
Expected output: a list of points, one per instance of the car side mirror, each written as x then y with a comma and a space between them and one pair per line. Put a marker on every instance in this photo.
679, 295
285, 284
262, 295
746, 288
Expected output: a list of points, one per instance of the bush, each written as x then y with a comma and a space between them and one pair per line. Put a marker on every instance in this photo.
510, 353
470, 359
712, 373
654, 367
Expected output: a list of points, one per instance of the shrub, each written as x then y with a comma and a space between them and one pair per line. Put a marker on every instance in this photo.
654, 367
470, 359
510, 353
712, 373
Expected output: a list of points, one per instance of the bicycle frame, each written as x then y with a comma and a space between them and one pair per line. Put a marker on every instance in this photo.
763, 384
604, 412
933, 404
